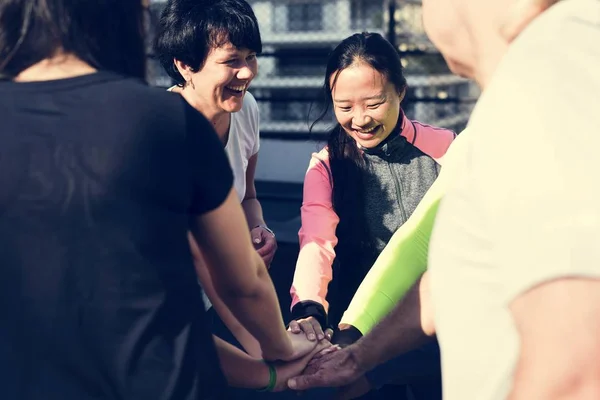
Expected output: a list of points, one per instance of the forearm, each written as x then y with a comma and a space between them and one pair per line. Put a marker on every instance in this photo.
405, 328
240, 277
258, 311
240, 369
311, 279
253, 212
402, 262
248, 341
399, 265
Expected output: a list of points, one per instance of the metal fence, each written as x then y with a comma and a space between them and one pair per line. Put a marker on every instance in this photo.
297, 38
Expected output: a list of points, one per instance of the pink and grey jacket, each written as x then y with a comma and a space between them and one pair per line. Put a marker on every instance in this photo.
400, 171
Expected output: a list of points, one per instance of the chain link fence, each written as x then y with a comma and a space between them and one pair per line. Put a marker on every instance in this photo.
297, 38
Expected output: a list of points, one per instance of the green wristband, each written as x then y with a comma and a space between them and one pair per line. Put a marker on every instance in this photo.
272, 378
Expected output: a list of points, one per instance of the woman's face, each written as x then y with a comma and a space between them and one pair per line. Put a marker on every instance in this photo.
365, 103
222, 81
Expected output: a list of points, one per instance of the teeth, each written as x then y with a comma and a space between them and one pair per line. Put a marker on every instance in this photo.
237, 88
370, 130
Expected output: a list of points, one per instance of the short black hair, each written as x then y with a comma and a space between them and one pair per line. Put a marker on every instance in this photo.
107, 34
189, 29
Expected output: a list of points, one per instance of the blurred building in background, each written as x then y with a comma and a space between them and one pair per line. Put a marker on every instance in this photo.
297, 38
299, 34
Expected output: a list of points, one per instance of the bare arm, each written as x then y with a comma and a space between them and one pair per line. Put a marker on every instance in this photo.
250, 203
559, 328
242, 370
253, 213
264, 241
250, 344
240, 277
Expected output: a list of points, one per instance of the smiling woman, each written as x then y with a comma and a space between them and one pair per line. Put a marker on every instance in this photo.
209, 48
367, 104
361, 188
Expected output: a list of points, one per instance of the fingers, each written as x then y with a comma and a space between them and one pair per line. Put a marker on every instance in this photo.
268, 244
295, 327
287, 370
317, 328
302, 346
328, 334
312, 328
256, 235
328, 350
322, 357
304, 382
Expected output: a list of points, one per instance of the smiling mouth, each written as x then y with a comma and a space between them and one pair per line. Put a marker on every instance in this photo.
237, 89
369, 131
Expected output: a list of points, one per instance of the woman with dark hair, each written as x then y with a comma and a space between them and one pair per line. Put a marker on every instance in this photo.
362, 187
209, 49
101, 181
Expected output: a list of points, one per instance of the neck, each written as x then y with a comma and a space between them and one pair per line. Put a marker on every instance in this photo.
491, 48
494, 30
218, 118
60, 66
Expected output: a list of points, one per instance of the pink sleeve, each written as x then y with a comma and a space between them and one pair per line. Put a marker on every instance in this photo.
317, 235
431, 140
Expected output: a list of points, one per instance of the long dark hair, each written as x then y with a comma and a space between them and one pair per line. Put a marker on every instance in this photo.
107, 34
346, 160
189, 29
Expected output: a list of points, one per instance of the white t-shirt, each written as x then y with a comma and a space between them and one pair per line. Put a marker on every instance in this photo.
243, 142
526, 207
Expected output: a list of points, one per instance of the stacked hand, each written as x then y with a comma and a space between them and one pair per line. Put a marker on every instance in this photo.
331, 366
303, 346
290, 369
311, 328
315, 362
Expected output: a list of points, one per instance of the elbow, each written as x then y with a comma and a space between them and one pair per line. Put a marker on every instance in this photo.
580, 385
428, 326
241, 290
250, 285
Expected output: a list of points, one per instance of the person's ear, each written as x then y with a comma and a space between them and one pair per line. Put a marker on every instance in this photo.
402, 94
184, 69
519, 15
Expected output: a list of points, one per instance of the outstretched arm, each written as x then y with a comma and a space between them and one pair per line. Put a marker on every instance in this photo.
248, 342
317, 242
244, 371
404, 259
402, 330
263, 240
241, 279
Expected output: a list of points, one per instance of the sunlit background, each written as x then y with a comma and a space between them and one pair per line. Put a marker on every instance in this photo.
297, 38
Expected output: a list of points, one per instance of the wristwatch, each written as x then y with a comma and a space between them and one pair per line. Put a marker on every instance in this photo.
266, 228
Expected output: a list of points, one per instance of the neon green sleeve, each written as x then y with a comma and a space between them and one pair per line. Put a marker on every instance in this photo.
404, 259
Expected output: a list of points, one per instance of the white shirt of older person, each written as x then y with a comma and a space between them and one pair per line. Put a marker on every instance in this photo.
526, 208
